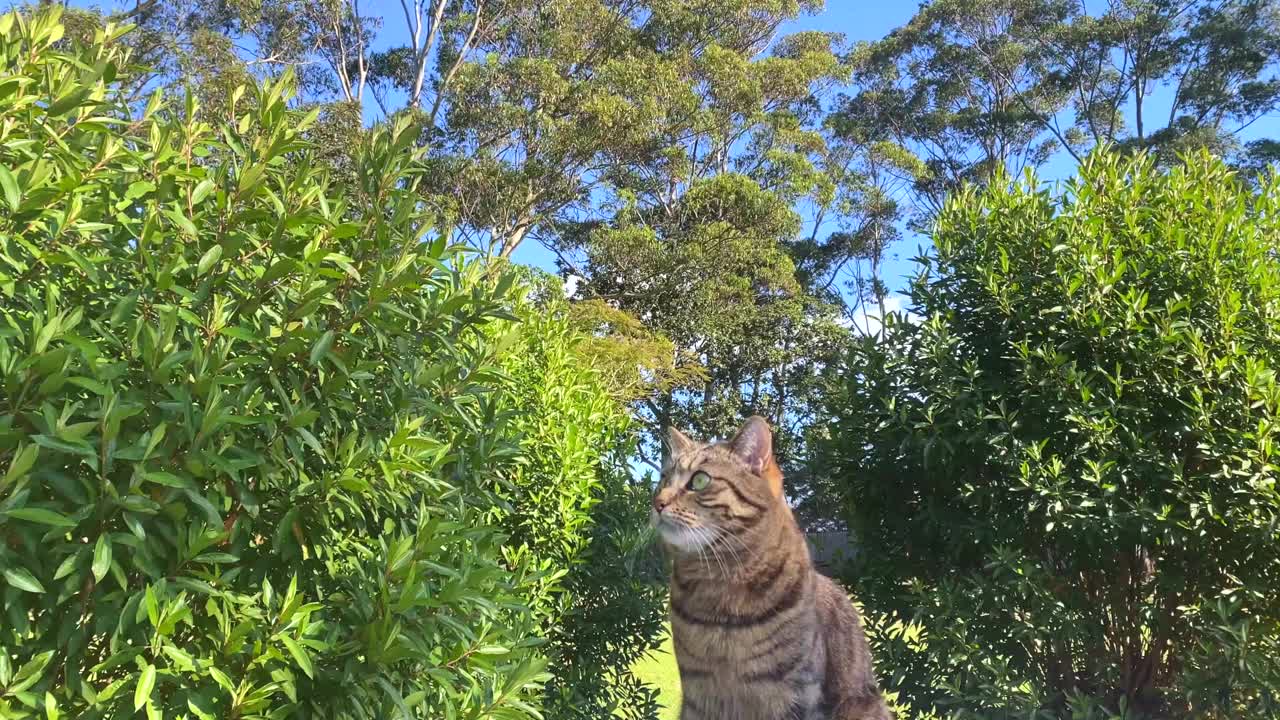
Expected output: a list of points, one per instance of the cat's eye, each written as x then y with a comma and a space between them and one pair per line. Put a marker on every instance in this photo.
699, 481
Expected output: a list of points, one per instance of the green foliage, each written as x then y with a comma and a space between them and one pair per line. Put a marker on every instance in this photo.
617, 614
659, 148
964, 85
636, 362
570, 504
261, 439
976, 88
1064, 473
714, 277
590, 125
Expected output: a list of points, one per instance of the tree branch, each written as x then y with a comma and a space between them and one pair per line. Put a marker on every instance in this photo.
457, 63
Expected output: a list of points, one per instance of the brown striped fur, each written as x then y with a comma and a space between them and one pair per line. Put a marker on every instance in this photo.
758, 633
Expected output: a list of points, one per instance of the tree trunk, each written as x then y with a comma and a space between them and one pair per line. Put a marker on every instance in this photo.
512, 241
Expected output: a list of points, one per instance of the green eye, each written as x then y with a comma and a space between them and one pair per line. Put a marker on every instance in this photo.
699, 481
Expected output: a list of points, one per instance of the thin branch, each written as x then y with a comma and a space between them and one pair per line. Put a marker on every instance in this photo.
413, 23
1036, 113
457, 63
424, 53
360, 49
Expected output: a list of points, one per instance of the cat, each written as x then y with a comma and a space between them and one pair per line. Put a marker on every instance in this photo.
758, 633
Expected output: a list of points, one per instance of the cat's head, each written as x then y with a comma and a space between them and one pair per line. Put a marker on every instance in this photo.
710, 491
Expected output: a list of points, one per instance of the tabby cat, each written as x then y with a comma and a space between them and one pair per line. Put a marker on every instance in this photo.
758, 633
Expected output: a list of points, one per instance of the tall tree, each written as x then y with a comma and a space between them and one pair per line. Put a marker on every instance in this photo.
972, 87
695, 234
670, 152
964, 85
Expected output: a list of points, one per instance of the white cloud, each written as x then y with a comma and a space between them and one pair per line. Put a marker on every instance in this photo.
571, 286
868, 321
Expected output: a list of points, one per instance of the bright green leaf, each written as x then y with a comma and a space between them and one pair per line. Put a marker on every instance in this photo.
147, 681
12, 195
23, 580
211, 256
42, 516
101, 558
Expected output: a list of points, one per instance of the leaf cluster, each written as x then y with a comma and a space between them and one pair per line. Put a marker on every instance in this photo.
1064, 474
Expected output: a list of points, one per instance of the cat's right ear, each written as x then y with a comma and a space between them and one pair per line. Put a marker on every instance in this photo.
677, 444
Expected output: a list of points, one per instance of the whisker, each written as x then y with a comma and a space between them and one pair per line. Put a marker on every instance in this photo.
701, 546
711, 545
722, 535
726, 535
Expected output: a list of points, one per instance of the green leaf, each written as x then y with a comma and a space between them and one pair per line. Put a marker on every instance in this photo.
210, 512
29, 674
138, 189
147, 681
239, 333
222, 679
124, 308
12, 195
346, 230
66, 566
42, 516
23, 580
135, 526
101, 558
396, 698
197, 710
201, 192
304, 418
299, 655
22, 462
68, 101
168, 480
211, 256
216, 558
321, 347
91, 385
182, 221
279, 269
78, 447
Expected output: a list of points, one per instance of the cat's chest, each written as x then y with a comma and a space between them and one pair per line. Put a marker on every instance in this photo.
714, 633
770, 670
746, 705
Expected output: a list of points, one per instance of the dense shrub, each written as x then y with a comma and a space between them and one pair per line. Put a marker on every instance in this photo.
1063, 472
618, 614
579, 515
264, 441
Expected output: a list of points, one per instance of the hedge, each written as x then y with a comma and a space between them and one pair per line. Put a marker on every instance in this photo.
1062, 470
263, 446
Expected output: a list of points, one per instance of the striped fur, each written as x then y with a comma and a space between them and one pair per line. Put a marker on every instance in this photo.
758, 633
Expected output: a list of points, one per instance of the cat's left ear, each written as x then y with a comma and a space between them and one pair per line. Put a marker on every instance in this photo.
753, 444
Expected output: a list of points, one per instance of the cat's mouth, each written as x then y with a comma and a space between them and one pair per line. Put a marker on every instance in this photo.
676, 533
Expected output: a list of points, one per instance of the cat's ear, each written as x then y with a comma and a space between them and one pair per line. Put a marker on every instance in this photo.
677, 443
773, 475
753, 444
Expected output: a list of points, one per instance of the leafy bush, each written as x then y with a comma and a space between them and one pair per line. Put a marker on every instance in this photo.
1064, 473
259, 436
570, 504
618, 614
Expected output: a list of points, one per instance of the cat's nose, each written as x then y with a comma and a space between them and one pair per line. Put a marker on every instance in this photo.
662, 499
